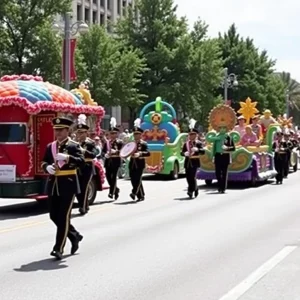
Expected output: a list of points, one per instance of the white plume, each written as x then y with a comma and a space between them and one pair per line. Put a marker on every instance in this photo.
82, 119
137, 122
192, 123
113, 122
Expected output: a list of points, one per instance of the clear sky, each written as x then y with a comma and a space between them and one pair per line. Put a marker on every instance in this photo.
273, 25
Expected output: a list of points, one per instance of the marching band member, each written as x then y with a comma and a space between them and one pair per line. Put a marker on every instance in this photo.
88, 170
61, 159
223, 144
111, 150
192, 149
137, 163
289, 149
280, 148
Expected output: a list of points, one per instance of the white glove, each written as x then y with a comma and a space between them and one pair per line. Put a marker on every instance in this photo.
61, 156
107, 155
195, 149
187, 154
224, 147
113, 151
138, 154
50, 169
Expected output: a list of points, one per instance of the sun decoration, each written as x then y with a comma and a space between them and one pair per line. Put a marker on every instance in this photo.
248, 109
222, 115
285, 122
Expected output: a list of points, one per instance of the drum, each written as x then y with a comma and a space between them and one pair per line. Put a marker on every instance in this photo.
128, 149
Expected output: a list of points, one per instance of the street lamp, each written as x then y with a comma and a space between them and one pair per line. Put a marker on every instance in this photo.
69, 31
229, 81
287, 103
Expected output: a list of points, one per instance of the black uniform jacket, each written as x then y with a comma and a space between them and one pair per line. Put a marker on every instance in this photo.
139, 162
192, 161
64, 184
281, 146
90, 152
114, 161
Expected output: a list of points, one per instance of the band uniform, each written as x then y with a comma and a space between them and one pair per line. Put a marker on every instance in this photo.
280, 149
111, 150
137, 165
192, 163
87, 172
222, 159
62, 186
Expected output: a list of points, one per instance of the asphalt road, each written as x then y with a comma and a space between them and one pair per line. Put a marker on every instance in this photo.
240, 245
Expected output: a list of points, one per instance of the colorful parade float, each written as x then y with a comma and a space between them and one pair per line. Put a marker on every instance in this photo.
162, 134
27, 107
253, 160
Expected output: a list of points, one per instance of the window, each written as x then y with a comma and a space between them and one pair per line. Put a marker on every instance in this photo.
108, 4
102, 19
109, 27
12, 133
102, 3
119, 8
95, 1
94, 17
86, 15
78, 12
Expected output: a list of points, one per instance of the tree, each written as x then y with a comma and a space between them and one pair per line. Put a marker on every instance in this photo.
254, 70
182, 68
113, 71
24, 27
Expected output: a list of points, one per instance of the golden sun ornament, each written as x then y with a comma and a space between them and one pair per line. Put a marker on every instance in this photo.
285, 122
248, 109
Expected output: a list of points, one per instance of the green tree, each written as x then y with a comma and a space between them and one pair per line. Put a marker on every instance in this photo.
182, 67
113, 71
25, 32
253, 68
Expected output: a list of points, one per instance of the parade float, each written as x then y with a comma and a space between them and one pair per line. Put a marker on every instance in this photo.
253, 160
27, 107
287, 127
162, 134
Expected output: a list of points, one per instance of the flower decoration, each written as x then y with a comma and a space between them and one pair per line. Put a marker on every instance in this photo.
248, 109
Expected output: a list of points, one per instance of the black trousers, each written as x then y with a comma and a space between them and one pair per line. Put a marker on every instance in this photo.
221, 168
136, 182
84, 181
111, 174
287, 163
280, 166
191, 179
60, 207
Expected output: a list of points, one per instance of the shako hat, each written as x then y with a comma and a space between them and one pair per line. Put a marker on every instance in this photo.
113, 125
61, 122
137, 128
192, 128
81, 126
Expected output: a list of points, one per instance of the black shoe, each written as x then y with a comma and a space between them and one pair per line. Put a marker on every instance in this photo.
196, 193
132, 196
58, 255
141, 199
190, 195
75, 244
117, 194
110, 196
222, 191
82, 211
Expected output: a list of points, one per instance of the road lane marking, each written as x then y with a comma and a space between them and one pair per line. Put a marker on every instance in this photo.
34, 224
258, 274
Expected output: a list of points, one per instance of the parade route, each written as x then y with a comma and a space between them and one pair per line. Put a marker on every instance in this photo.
240, 245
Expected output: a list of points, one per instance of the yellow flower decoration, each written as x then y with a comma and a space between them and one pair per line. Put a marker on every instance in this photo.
285, 122
248, 109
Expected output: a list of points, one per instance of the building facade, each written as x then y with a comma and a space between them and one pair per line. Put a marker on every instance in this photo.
102, 12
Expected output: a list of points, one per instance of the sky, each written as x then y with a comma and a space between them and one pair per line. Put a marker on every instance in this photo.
273, 25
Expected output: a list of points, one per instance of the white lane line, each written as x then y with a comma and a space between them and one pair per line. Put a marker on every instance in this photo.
258, 274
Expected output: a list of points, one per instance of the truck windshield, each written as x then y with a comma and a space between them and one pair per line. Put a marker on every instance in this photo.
13, 133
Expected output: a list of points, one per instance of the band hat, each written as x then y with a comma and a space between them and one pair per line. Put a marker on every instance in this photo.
138, 130
193, 130
60, 122
114, 129
82, 127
